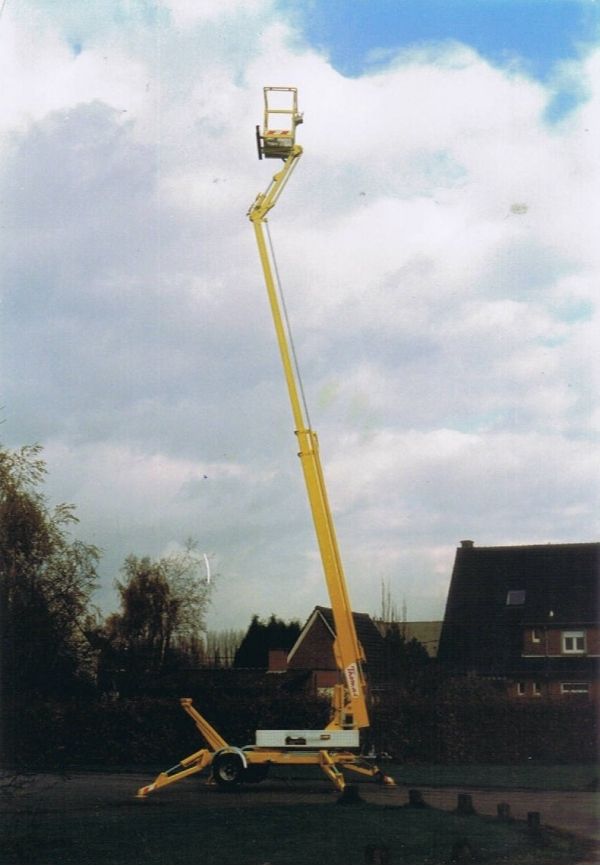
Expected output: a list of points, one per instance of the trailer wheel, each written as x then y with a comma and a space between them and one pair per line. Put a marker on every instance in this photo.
227, 769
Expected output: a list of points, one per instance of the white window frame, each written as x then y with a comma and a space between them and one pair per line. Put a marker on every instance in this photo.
536, 635
575, 688
537, 689
573, 635
521, 689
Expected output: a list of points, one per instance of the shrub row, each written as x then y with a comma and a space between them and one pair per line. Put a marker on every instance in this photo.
500, 732
141, 730
152, 730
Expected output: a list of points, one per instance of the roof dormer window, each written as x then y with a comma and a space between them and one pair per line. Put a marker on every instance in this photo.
515, 597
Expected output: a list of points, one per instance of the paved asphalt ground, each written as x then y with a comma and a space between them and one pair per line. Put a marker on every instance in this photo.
574, 812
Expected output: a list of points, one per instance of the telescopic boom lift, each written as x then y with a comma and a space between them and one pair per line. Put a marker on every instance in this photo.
337, 745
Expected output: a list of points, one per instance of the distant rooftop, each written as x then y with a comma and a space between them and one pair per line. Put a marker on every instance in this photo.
495, 591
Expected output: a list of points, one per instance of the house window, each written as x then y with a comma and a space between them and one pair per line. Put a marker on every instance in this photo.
520, 689
575, 688
536, 635
515, 597
537, 689
573, 641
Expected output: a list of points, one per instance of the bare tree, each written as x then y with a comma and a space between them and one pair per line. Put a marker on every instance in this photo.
221, 646
389, 609
163, 608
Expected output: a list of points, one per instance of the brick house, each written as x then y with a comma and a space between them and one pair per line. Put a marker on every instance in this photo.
313, 650
526, 616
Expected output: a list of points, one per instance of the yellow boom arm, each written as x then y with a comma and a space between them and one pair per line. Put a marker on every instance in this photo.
351, 712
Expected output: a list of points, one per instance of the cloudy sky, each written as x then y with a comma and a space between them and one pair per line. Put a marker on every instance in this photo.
438, 247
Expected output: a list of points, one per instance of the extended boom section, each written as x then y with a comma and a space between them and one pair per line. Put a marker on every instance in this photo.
349, 654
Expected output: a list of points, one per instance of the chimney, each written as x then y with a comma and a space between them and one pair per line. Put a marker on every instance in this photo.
466, 542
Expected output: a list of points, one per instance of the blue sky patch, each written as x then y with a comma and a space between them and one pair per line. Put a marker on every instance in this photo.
532, 35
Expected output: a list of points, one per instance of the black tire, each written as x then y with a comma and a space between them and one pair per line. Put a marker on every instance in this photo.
228, 770
255, 773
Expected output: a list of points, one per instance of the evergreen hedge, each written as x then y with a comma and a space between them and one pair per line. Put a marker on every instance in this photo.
444, 728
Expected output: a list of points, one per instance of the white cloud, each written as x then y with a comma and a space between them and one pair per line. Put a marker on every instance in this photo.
46, 75
186, 12
438, 248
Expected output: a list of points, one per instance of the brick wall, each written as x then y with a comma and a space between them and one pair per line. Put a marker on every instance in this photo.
550, 640
531, 689
316, 650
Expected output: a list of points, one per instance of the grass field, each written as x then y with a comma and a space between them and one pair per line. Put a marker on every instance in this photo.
279, 834
563, 777
568, 777
191, 823
536, 777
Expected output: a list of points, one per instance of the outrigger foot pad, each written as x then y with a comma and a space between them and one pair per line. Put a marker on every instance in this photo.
386, 780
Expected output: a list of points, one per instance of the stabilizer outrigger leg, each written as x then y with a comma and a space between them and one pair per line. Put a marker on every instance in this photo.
366, 769
331, 771
187, 767
194, 763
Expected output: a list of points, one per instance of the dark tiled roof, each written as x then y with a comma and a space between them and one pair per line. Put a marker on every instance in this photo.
553, 584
